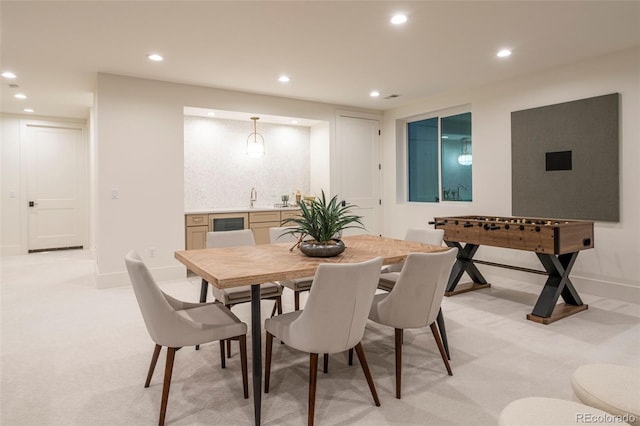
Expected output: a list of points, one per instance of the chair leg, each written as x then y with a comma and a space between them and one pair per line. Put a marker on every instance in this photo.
222, 359
443, 333
228, 340
267, 361
152, 366
351, 356
243, 364
277, 306
168, 370
367, 373
443, 354
313, 375
325, 366
296, 300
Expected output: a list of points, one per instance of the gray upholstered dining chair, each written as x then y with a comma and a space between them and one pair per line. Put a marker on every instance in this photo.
390, 273
297, 285
235, 295
415, 301
173, 323
333, 320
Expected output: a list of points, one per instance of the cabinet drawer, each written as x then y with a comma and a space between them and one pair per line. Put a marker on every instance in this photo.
286, 214
264, 217
196, 219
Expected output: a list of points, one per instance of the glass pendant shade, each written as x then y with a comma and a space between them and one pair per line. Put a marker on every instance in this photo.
465, 158
255, 142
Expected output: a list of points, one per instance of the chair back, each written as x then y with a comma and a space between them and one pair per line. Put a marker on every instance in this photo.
158, 314
419, 235
242, 237
415, 299
425, 236
277, 235
337, 308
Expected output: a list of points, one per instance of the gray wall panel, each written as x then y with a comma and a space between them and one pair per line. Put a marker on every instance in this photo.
589, 129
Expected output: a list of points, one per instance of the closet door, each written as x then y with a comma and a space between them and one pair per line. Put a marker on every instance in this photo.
56, 187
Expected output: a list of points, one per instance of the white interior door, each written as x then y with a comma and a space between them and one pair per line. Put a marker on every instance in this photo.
56, 187
358, 158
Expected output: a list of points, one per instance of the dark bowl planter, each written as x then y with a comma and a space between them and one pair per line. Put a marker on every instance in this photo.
315, 249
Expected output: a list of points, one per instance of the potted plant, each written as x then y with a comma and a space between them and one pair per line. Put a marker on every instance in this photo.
323, 221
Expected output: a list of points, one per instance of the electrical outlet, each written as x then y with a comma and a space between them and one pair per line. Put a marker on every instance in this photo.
115, 194
152, 252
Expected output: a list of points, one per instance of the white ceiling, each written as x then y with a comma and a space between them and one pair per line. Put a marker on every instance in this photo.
334, 51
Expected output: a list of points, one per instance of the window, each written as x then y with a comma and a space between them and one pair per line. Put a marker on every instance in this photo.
440, 159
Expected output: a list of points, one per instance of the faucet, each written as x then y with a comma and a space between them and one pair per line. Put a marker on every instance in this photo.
253, 197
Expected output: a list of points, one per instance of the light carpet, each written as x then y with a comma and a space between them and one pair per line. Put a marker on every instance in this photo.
75, 355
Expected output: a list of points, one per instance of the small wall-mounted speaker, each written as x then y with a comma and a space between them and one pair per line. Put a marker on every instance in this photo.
560, 160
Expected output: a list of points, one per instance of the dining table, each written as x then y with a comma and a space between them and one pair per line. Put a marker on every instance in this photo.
230, 267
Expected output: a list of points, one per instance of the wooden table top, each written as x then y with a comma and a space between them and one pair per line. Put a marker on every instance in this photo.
237, 266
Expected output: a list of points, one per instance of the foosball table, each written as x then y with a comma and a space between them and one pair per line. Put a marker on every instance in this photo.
555, 242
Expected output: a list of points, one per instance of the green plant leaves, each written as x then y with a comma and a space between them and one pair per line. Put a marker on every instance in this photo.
322, 219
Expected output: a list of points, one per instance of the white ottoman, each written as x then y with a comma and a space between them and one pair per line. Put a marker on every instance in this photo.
612, 388
554, 412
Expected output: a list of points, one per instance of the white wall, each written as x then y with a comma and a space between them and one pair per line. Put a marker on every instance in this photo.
219, 174
11, 221
610, 269
140, 139
320, 159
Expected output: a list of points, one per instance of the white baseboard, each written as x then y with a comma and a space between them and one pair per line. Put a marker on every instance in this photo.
596, 287
11, 250
119, 279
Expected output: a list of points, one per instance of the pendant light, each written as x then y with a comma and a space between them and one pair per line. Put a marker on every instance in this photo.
255, 142
465, 158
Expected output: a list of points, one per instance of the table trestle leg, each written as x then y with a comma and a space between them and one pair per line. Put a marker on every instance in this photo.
558, 284
464, 263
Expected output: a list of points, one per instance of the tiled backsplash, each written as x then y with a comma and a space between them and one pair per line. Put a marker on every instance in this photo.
219, 174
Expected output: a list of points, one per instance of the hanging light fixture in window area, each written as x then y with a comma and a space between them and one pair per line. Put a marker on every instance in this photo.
465, 158
255, 142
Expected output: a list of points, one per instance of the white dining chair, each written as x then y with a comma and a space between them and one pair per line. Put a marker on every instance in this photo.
230, 297
332, 321
173, 324
415, 301
297, 285
390, 273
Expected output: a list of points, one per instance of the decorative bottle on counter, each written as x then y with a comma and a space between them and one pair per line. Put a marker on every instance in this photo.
298, 197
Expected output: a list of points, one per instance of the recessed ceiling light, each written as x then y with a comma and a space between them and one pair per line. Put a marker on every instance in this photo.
374, 94
294, 121
503, 53
20, 96
398, 19
284, 79
155, 57
28, 110
211, 113
8, 74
